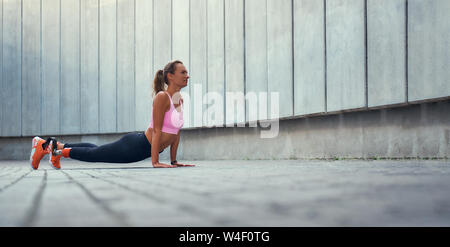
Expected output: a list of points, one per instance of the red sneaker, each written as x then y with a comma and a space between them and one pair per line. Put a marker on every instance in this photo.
39, 149
55, 155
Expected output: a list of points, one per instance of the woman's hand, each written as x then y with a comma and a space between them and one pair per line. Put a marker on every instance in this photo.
161, 165
179, 164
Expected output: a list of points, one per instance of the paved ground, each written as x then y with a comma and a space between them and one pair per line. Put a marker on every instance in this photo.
227, 193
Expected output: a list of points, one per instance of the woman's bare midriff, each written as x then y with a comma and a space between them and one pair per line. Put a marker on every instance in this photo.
165, 141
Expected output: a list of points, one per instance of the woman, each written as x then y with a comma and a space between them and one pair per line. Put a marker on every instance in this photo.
166, 121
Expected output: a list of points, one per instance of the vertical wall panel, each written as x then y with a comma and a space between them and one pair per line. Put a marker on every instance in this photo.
428, 49
216, 64
31, 71
125, 66
279, 52
386, 41
309, 57
162, 33
345, 54
234, 62
108, 63
12, 78
70, 67
255, 56
1, 67
180, 48
198, 60
144, 63
51, 80
89, 66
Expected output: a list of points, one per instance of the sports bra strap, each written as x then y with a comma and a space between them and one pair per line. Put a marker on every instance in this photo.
171, 102
170, 98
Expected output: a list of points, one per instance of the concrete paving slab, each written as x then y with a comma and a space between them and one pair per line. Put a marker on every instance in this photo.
228, 193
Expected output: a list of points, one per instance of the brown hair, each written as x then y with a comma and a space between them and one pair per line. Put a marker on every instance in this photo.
161, 76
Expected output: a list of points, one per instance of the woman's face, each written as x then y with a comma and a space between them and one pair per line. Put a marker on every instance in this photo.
180, 76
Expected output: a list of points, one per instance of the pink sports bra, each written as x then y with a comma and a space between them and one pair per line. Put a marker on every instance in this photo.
173, 120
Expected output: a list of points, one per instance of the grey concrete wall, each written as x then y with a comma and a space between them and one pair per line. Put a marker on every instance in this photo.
86, 67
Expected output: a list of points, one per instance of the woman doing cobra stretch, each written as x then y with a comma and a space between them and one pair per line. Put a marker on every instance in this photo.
164, 130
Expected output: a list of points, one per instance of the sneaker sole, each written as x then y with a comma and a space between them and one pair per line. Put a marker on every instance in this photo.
33, 149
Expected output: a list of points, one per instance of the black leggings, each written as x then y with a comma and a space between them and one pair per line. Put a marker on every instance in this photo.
130, 148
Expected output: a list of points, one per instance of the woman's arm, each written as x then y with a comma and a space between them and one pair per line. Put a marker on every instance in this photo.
159, 106
174, 148
173, 152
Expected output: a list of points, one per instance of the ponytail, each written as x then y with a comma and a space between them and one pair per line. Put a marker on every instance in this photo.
158, 82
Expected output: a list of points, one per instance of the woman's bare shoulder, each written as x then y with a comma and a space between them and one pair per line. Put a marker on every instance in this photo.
161, 97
